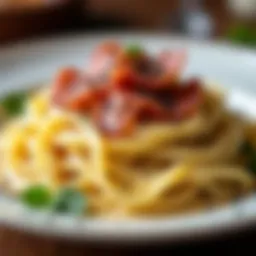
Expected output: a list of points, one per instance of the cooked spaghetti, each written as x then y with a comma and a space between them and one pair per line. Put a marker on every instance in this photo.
130, 135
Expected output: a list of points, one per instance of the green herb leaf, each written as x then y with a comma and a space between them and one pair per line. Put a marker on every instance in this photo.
134, 50
70, 201
14, 104
242, 35
37, 197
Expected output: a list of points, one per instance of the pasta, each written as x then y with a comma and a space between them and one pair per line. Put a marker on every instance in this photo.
161, 168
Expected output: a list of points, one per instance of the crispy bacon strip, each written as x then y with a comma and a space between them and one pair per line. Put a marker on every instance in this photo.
116, 116
152, 74
173, 62
103, 59
187, 101
120, 113
120, 91
76, 91
64, 80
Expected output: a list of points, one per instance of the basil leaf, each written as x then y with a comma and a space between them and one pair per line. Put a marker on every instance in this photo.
14, 104
37, 197
70, 201
242, 35
134, 50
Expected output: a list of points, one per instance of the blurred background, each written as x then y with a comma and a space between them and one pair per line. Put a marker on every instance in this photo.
233, 20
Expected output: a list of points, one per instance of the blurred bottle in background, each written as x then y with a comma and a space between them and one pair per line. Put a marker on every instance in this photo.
198, 22
193, 20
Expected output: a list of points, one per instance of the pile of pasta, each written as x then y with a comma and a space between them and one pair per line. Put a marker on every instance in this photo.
160, 169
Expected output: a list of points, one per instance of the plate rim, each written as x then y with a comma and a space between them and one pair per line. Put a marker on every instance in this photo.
119, 34
127, 231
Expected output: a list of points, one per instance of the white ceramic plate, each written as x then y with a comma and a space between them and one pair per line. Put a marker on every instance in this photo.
233, 68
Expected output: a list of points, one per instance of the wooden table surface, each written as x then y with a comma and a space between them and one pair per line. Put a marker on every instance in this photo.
16, 243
